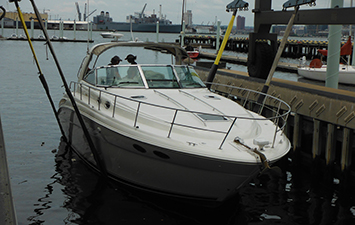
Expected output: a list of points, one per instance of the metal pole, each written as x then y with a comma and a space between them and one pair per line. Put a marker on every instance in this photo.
32, 28
182, 15
17, 27
74, 29
88, 29
218, 35
183, 34
61, 29
91, 31
332, 77
157, 31
279, 51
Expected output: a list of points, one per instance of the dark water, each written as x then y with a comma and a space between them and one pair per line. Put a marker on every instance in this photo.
51, 186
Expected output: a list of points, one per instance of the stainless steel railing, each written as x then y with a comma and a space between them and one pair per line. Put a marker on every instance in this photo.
271, 108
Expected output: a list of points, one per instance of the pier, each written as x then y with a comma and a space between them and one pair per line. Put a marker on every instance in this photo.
7, 209
52, 40
293, 49
282, 66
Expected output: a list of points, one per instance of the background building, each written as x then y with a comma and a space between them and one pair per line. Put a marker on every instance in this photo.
240, 23
188, 17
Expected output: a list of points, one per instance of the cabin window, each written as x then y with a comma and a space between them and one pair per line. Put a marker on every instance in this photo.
90, 77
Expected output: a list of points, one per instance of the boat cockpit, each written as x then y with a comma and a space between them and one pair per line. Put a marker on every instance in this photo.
144, 76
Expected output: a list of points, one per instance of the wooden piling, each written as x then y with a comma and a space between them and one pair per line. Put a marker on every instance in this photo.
330, 146
296, 132
316, 150
345, 150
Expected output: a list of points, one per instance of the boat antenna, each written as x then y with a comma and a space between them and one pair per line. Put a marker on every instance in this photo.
97, 157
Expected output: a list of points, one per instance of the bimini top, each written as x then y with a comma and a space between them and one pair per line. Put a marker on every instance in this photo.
98, 49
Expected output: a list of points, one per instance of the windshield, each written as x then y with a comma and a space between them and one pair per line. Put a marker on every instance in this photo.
188, 77
154, 76
160, 77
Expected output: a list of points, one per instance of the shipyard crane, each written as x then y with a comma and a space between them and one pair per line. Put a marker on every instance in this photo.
142, 13
79, 13
89, 14
78, 10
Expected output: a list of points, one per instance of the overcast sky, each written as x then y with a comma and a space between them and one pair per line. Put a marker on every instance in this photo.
203, 11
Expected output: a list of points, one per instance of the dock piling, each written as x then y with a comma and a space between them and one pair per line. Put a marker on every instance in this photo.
345, 151
330, 146
316, 149
296, 132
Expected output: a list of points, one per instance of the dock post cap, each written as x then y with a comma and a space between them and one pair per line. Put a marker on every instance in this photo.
237, 4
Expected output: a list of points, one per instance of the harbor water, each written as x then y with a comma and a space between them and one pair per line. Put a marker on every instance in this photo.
52, 186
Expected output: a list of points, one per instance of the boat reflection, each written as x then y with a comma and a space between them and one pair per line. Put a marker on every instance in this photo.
302, 195
92, 200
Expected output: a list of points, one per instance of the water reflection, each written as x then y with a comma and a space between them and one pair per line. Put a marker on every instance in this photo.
302, 195
91, 200
307, 193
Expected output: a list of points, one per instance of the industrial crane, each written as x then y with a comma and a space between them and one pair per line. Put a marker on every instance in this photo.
78, 10
79, 13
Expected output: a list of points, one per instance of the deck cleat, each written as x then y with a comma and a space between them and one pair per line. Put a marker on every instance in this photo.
261, 143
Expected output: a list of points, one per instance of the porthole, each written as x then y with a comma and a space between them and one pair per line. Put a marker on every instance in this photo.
139, 148
107, 104
161, 155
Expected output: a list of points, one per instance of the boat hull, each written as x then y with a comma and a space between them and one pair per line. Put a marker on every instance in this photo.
346, 73
157, 169
111, 35
193, 54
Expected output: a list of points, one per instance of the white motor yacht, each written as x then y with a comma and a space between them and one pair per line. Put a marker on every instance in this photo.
157, 127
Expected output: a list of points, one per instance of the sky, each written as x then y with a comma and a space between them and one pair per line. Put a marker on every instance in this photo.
203, 11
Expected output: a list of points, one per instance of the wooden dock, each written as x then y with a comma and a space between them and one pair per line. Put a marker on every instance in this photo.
293, 49
7, 209
52, 40
289, 67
